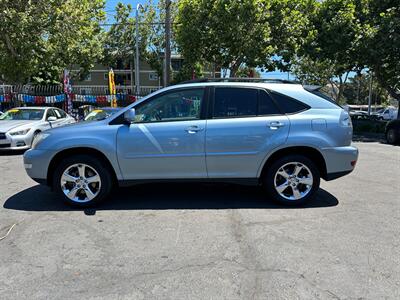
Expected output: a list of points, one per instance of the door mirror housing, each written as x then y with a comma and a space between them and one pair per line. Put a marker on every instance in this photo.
51, 119
130, 115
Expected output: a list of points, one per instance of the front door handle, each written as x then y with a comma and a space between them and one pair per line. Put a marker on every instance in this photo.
276, 125
193, 129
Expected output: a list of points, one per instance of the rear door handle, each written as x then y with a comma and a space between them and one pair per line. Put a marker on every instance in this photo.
276, 125
193, 129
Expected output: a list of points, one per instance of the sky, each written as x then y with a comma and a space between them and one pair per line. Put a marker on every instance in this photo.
110, 11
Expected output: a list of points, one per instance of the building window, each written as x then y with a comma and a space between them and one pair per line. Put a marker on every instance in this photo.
106, 76
88, 77
153, 76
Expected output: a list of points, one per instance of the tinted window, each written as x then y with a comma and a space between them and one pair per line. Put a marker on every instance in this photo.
50, 113
173, 106
235, 102
267, 105
61, 113
287, 104
57, 113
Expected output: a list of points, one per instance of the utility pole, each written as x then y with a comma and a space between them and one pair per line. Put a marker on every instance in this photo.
370, 93
167, 57
137, 63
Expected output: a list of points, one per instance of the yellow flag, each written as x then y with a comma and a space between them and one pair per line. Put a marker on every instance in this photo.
111, 84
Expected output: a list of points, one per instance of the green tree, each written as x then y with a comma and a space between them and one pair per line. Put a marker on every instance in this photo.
40, 38
226, 33
356, 91
120, 39
253, 33
382, 48
334, 51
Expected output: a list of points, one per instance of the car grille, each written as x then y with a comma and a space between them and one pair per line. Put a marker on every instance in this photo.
2, 136
5, 145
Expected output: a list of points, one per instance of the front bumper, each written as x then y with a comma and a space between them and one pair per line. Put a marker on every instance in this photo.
16, 142
339, 161
36, 163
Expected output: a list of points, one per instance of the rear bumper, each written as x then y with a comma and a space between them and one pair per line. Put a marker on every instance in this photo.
339, 161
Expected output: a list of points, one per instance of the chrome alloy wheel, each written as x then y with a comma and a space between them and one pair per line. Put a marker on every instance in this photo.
293, 181
80, 183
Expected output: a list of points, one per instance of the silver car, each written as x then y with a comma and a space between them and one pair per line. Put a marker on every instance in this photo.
19, 126
273, 134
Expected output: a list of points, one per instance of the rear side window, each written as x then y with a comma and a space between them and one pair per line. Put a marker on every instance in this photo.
235, 102
267, 105
288, 104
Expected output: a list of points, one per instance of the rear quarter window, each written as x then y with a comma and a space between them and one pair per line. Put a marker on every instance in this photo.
287, 104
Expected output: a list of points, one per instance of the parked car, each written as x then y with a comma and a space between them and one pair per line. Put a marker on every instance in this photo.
101, 113
20, 126
358, 113
392, 132
275, 134
389, 113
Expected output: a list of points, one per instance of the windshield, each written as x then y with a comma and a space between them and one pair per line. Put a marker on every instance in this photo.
23, 114
100, 114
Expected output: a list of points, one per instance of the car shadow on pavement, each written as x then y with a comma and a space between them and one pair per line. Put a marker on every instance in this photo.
11, 153
163, 197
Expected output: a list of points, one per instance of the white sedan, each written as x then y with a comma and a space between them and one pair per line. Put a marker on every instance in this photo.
19, 126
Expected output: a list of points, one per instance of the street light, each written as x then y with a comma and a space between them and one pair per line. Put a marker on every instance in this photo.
137, 69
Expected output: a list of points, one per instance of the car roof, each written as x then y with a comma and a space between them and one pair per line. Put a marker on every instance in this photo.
293, 90
33, 107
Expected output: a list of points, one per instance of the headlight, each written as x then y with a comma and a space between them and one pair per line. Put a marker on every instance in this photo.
38, 139
20, 132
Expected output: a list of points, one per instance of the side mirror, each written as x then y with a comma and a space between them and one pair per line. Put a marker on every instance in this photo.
51, 119
130, 115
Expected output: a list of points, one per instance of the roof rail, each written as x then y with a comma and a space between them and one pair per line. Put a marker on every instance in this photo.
240, 79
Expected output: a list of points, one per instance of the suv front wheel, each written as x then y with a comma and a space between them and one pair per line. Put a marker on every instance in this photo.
82, 181
292, 180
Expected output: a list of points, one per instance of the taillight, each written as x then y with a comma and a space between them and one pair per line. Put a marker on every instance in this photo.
345, 119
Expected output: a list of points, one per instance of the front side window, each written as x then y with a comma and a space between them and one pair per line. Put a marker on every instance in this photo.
235, 102
61, 113
174, 106
50, 113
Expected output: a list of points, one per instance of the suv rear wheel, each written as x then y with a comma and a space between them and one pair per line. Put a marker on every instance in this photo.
82, 181
292, 180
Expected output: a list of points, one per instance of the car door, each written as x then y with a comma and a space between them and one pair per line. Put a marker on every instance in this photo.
167, 140
244, 125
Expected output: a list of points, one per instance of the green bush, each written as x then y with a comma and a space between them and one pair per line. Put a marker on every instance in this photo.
372, 126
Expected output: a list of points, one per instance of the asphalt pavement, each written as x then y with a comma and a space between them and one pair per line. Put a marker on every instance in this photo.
205, 241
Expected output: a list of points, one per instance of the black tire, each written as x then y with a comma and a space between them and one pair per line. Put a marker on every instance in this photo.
268, 179
94, 164
392, 136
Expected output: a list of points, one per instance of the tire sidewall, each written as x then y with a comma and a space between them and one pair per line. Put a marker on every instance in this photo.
269, 178
104, 173
395, 138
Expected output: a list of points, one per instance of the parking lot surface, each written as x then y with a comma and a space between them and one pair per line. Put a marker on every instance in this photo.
203, 241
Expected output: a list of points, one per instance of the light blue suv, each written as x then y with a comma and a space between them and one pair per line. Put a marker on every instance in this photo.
273, 134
